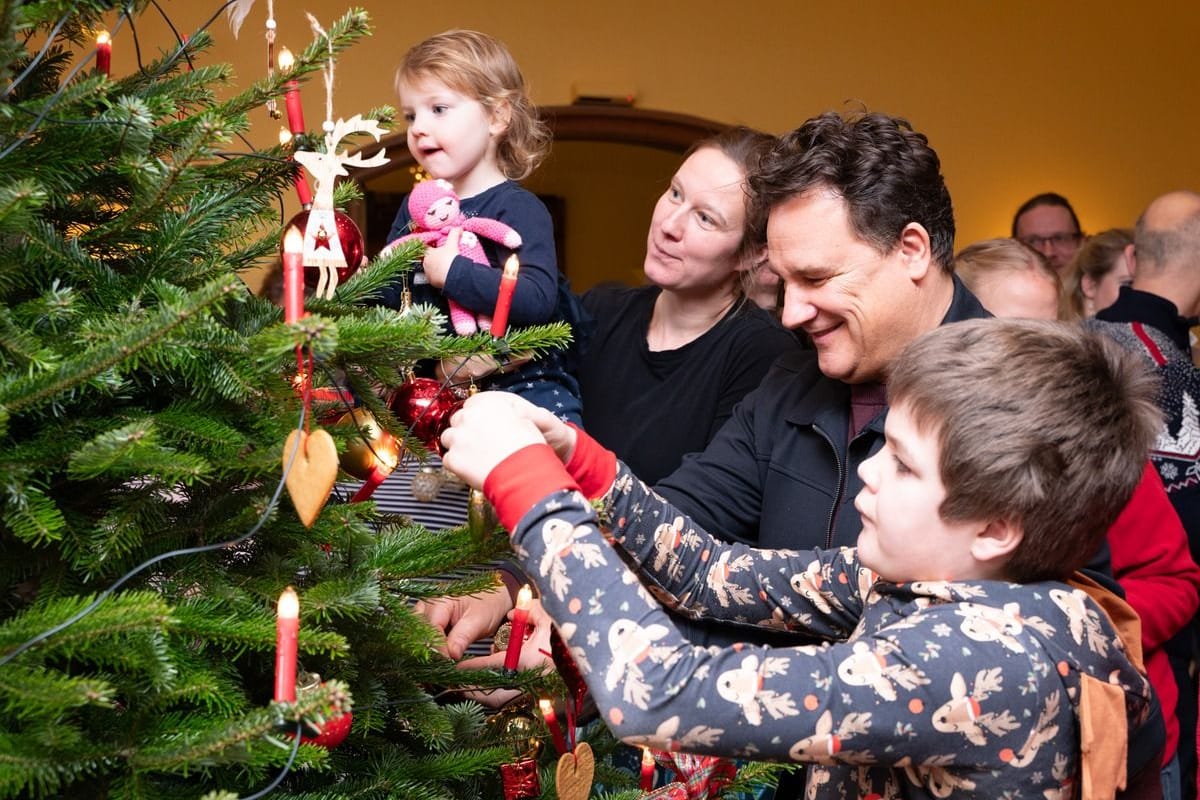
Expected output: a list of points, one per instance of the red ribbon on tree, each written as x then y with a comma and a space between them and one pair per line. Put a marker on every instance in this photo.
569, 672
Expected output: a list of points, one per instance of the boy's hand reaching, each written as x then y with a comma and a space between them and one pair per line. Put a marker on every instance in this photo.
558, 434
489, 428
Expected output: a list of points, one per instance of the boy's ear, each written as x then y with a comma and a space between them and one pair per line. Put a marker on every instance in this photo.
996, 542
501, 118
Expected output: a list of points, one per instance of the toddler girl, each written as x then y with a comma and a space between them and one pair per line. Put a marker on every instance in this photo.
471, 123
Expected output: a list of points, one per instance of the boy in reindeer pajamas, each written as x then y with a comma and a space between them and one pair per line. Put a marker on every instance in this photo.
963, 658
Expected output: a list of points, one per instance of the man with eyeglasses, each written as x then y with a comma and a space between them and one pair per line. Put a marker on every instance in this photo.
1048, 224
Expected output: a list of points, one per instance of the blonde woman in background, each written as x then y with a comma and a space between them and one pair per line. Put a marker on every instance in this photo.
1011, 279
1098, 271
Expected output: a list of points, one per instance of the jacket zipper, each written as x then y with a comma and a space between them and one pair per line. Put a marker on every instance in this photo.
841, 487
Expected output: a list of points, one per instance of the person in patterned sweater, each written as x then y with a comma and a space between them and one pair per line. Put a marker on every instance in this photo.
1152, 317
963, 657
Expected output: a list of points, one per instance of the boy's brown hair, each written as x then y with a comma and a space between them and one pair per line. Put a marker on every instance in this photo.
480, 66
1039, 423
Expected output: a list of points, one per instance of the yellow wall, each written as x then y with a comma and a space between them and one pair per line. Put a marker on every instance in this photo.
1097, 100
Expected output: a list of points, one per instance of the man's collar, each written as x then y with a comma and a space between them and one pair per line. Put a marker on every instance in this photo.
1135, 305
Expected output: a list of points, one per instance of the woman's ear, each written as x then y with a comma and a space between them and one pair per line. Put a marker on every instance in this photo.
753, 259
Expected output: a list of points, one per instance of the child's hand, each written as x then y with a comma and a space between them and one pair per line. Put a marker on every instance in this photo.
488, 428
461, 370
558, 434
438, 259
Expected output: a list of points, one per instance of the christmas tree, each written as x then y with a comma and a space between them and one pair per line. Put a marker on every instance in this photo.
146, 396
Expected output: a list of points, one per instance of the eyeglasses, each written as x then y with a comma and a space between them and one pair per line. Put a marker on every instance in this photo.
1059, 241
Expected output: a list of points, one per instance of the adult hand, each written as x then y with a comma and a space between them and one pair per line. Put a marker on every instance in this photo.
465, 619
488, 428
438, 259
533, 656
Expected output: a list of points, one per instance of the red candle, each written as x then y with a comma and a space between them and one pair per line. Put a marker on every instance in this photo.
647, 781
302, 190
516, 636
547, 708
293, 275
508, 283
287, 629
291, 93
295, 115
103, 53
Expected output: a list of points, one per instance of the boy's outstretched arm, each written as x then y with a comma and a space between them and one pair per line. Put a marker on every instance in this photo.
842, 703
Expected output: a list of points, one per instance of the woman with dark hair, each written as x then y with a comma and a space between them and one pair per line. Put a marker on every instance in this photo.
667, 362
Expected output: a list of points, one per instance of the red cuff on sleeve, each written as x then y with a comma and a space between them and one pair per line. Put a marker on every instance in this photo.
520, 481
592, 465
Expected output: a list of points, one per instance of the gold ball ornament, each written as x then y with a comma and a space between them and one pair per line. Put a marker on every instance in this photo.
369, 447
516, 726
501, 636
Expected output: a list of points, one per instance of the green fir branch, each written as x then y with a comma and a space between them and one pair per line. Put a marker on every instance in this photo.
41, 692
28, 767
343, 32
26, 392
134, 450
32, 517
99, 637
180, 753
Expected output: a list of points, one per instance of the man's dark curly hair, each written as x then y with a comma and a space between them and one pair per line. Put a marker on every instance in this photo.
886, 173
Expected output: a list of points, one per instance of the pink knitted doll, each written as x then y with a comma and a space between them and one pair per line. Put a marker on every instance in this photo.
433, 207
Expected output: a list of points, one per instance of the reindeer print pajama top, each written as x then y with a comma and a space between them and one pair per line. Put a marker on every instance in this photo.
923, 690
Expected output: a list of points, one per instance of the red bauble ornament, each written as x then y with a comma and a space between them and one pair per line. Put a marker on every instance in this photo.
336, 727
350, 238
333, 732
424, 406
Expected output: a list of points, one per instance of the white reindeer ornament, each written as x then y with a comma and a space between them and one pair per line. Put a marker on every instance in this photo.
323, 247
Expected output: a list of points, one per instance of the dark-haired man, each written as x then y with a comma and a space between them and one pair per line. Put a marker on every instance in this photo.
1047, 223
